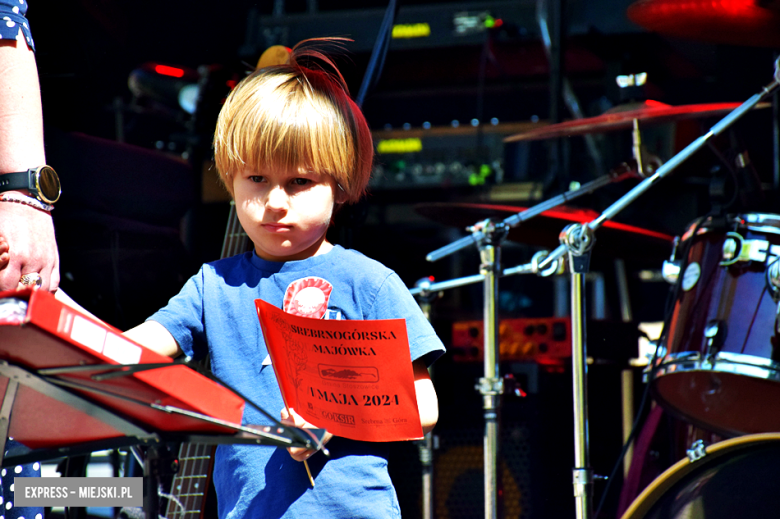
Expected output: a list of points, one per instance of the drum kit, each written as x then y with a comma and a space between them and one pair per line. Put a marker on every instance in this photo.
717, 363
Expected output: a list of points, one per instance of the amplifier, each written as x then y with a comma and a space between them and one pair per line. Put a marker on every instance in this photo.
417, 26
469, 153
545, 340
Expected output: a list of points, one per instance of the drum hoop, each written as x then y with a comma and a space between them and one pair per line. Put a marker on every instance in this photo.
757, 222
660, 485
723, 362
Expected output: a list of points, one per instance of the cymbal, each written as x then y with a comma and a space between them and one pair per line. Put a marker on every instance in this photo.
738, 22
622, 118
614, 238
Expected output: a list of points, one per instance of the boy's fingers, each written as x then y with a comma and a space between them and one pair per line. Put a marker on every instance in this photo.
300, 454
297, 420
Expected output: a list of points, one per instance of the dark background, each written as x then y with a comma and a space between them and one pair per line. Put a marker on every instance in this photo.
138, 217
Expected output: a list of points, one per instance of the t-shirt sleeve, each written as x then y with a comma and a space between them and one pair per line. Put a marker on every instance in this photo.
183, 318
12, 18
394, 301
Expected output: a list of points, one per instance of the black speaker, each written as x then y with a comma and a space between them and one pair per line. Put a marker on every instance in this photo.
535, 447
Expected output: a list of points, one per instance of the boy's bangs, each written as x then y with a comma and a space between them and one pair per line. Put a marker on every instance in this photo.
297, 129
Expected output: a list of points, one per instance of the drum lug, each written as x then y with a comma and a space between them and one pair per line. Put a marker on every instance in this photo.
715, 334
672, 267
773, 275
696, 451
736, 249
671, 271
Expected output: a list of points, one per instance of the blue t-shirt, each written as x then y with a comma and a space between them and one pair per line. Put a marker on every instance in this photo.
215, 313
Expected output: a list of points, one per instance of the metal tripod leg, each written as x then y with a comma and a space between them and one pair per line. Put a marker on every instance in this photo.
426, 446
491, 386
582, 475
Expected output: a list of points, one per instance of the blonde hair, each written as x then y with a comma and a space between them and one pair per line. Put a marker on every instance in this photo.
294, 116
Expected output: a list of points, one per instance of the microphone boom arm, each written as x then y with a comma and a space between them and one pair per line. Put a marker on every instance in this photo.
512, 221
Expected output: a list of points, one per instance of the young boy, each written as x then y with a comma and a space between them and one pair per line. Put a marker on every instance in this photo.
290, 147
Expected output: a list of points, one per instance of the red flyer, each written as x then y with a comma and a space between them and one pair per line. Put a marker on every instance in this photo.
353, 378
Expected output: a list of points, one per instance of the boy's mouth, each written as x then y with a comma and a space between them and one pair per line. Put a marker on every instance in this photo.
276, 227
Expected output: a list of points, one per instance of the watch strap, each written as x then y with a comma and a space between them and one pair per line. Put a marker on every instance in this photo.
11, 181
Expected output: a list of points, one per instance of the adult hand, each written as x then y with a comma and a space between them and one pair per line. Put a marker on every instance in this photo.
28, 231
32, 246
295, 420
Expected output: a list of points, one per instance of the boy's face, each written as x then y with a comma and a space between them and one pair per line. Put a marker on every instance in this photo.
285, 213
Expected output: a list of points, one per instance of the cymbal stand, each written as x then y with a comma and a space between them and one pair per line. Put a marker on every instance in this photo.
491, 386
578, 240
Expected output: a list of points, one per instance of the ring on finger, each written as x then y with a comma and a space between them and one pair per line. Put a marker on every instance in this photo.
31, 279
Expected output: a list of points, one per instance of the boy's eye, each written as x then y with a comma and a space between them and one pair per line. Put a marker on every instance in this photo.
300, 181
256, 178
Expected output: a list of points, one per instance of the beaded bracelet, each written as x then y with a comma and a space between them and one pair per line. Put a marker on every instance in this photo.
26, 200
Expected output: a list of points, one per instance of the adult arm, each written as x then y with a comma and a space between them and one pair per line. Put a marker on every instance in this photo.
28, 231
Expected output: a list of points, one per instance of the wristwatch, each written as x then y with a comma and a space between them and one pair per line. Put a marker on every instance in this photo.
42, 183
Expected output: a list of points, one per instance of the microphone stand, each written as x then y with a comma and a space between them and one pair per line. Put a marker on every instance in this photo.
491, 386
488, 236
425, 447
577, 240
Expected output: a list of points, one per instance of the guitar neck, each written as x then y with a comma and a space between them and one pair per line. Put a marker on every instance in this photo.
190, 485
236, 240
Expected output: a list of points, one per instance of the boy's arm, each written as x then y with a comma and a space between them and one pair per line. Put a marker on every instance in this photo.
150, 334
427, 401
156, 337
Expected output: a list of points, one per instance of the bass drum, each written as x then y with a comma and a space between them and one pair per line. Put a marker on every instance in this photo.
729, 479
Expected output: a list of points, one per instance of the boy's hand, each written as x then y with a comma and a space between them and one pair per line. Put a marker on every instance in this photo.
294, 419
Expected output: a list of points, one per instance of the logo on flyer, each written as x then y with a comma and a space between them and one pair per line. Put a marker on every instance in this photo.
343, 419
368, 374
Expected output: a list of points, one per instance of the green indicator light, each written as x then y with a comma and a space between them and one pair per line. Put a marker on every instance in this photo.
490, 22
485, 171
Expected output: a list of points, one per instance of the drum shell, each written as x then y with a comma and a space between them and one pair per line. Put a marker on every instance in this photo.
729, 382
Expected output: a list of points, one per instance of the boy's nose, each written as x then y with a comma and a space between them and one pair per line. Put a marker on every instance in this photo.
277, 199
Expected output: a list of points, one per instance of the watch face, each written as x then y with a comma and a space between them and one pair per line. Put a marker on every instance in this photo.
48, 184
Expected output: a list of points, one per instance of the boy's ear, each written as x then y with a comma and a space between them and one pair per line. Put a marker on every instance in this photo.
341, 195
